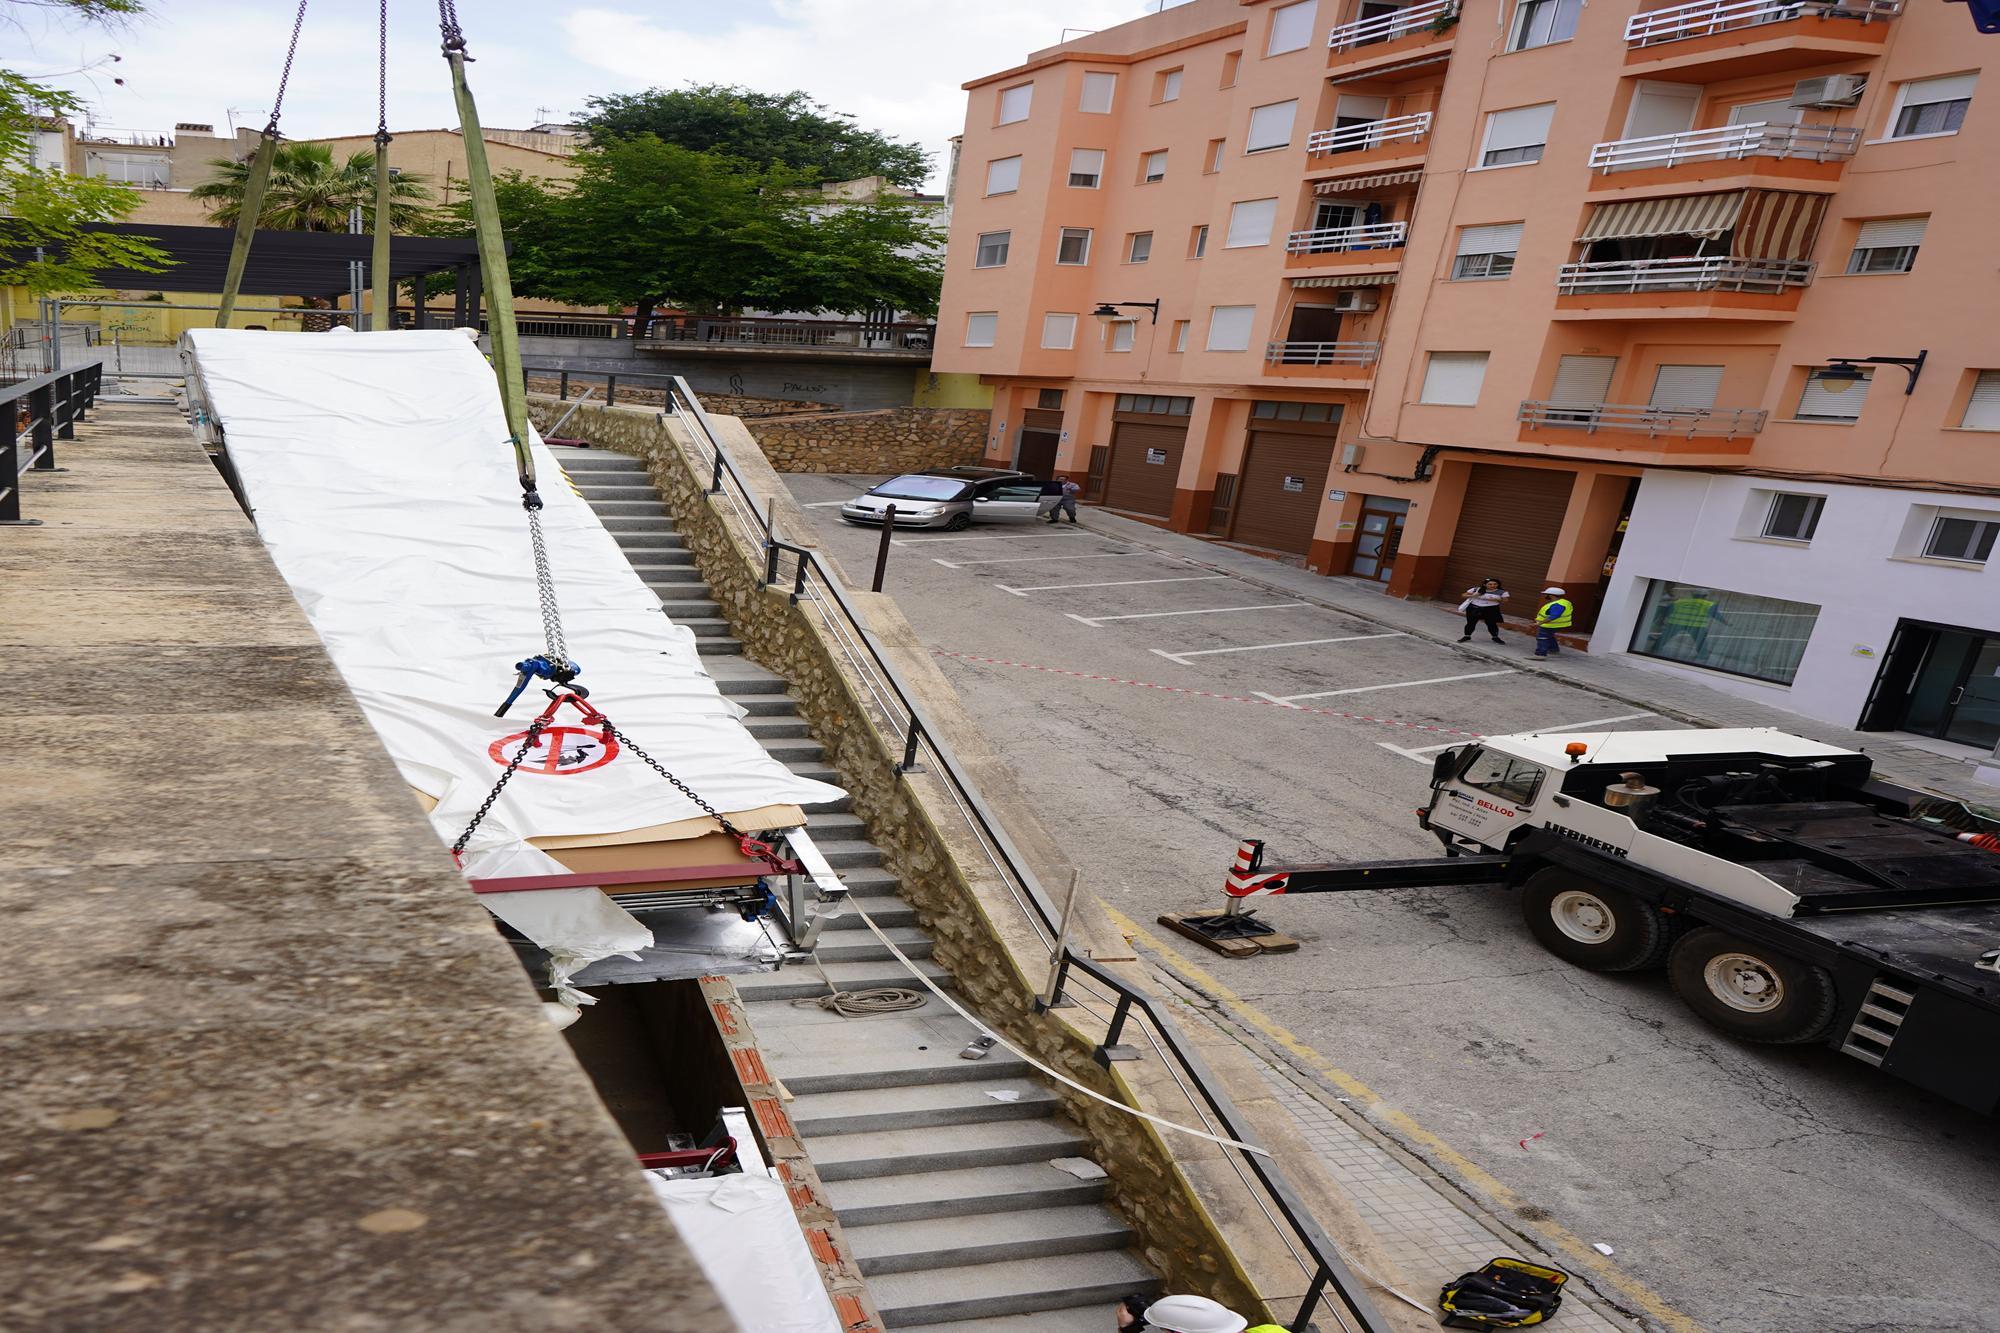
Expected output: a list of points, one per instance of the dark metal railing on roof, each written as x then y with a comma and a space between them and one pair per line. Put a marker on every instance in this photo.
812, 580
40, 411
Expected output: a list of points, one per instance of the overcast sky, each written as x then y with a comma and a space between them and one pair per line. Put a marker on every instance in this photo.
896, 65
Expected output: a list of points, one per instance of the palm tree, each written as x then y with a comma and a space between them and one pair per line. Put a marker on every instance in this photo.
310, 191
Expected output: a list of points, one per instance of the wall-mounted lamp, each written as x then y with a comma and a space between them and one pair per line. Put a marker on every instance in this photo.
1843, 372
1107, 311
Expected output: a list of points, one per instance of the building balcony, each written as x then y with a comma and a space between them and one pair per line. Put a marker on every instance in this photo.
1334, 360
1666, 430
1370, 146
1717, 287
1795, 154
1719, 39
1418, 35
1347, 247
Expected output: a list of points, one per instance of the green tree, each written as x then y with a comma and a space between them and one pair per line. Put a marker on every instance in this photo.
46, 211
651, 224
310, 191
761, 129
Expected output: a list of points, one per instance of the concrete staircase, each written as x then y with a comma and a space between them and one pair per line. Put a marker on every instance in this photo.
938, 1167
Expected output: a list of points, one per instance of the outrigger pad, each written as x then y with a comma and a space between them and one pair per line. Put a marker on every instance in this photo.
1233, 935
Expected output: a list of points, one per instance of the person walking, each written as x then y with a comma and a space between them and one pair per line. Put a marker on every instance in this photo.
1482, 607
1556, 613
1051, 497
1689, 617
1067, 504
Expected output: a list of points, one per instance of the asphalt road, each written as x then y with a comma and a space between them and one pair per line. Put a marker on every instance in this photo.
1755, 1189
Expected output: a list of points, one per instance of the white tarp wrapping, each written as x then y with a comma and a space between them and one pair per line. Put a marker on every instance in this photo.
744, 1234
380, 476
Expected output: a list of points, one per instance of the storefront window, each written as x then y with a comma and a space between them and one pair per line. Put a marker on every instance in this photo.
1759, 637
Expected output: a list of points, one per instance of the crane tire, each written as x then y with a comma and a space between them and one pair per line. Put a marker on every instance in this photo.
1593, 925
1750, 990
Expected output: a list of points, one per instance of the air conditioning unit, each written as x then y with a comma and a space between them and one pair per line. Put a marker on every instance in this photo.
1351, 456
1828, 90
1356, 300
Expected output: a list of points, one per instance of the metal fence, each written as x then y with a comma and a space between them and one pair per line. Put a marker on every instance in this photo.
39, 411
1078, 979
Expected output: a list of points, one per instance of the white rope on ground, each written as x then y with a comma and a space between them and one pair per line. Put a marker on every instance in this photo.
1012, 1049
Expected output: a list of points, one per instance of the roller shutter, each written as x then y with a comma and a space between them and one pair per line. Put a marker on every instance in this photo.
1283, 482
1583, 379
1507, 529
1686, 386
1145, 463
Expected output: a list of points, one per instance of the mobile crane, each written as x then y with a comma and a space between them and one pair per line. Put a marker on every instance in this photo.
1791, 895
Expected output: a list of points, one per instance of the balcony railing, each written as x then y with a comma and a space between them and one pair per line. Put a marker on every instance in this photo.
1708, 17
1322, 354
1821, 143
1686, 422
761, 331
1357, 138
1718, 274
1388, 27
1381, 236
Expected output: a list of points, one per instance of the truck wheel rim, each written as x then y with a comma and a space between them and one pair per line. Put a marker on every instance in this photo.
1744, 983
1583, 917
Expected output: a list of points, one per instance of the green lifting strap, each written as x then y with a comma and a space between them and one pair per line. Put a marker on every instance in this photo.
251, 206
493, 268
380, 277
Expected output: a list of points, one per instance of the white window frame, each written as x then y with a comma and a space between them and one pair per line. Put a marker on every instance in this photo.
1250, 142
1139, 247
1978, 521
1244, 232
1903, 103
1056, 319
998, 161
1005, 244
1493, 120
1218, 149
1517, 30
1120, 335
1063, 234
1228, 318
1292, 25
1100, 81
991, 327
1096, 176
1815, 509
1016, 104
1181, 327
1153, 166
1459, 365
1900, 255
1982, 404
1170, 84
1475, 244
1198, 244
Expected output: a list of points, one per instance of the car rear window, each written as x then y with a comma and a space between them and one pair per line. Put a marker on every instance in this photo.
920, 488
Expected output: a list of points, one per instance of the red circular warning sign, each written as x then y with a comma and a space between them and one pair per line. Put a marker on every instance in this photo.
558, 751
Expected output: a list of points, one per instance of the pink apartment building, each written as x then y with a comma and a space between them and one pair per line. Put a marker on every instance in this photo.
1554, 292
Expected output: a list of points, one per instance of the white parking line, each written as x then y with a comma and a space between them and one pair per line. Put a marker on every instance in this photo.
1014, 537
1394, 685
1420, 754
1290, 643
1115, 583
1155, 615
1596, 722
1034, 559
822, 504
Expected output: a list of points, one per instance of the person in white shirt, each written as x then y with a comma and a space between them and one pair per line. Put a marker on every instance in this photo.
1482, 606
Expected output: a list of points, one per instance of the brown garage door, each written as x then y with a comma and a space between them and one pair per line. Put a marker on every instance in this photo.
1507, 530
1145, 461
1278, 498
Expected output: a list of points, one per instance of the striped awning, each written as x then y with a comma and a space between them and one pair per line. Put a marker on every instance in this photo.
1706, 215
1353, 183
1779, 224
1346, 280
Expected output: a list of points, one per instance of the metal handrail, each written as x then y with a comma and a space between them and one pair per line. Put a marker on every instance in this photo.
1706, 17
1322, 354
1388, 27
1357, 138
759, 330
813, 579
1721, 273
1380, 236
1822, 143
1687, 422
55, 403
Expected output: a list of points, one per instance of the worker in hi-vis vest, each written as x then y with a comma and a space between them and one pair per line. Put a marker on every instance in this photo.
1556, 613
1689, 617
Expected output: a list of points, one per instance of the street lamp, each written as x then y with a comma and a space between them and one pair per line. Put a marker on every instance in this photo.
1843, 372
1107, 311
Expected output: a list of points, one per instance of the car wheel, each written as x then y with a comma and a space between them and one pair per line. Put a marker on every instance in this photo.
1593, 925
1749, 990
959, 523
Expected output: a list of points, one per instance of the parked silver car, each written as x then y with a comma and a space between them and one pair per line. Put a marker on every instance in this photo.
950, 498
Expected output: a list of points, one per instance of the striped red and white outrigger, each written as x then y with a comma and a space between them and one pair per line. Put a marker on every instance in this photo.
1244, 880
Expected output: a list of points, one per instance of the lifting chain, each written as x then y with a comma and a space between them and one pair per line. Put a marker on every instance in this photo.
382, 76
553, 642
285, 75
454, 36
534, 733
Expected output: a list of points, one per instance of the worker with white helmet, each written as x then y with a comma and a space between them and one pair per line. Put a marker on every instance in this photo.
1556, 613
1186, 1314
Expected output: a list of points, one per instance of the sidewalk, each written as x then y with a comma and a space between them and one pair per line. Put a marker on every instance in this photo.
1616, 676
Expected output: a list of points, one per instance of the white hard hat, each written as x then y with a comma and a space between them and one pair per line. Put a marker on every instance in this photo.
1193, 1314
1553, 592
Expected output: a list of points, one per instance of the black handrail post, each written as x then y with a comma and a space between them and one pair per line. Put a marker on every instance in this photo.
1111, 1050
909, 764
882, 551
770, 563
42, 408
799, 577
10, 469
715, 482
562, 386
610, 390
65, 414
1303, 1320
1055, 1000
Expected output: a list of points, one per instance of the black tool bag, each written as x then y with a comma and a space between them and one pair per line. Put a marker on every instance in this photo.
1506, 1293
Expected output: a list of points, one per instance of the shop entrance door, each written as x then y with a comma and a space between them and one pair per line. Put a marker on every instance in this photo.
1941, 681
1379, 538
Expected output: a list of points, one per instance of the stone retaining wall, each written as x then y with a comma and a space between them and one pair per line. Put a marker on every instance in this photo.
895, 439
